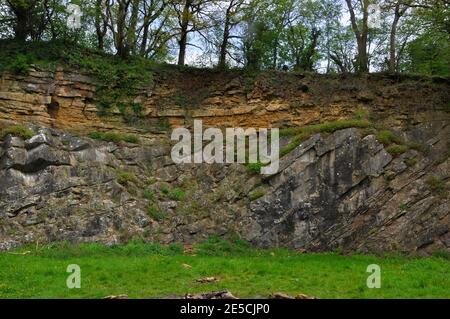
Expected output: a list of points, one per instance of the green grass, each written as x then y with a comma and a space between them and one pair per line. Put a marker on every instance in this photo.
17, 130
256, 194
301, 134
148, 270
114, 137
155, 213
176, 194
327, 127
436, 185
396, 144
149, 195
125, 178
150, 181
397, 149
254, 168
361, 114
165, 189
442, 254
387, 137
296, 141
410, 162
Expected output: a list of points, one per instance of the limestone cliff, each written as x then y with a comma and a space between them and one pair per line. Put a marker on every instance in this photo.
66, 99
341, 189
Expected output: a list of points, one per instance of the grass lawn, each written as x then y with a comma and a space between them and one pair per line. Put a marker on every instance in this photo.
146, 270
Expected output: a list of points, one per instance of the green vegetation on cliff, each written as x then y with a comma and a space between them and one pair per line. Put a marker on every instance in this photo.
114, 137
301, 134
16, 130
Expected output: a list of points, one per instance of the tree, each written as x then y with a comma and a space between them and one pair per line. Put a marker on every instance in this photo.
361, 31
265, 28
429, 52
231, 19
279, 16
305, 35
192, 16
117, 15
101, 21
341, 50
137, 26
28, 18
399, 10
302, 35
154, 38
221, 34
331, 13
253, 43
435, 9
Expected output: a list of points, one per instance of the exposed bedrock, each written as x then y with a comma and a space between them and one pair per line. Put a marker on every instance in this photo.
336, 191
345, 191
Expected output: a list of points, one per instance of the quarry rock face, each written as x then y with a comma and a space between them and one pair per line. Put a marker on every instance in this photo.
338, 191
65, 99
335, 191
347, 191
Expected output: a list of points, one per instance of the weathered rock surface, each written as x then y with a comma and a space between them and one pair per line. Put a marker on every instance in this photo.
334, 191
341, 191
347, 191
65, 99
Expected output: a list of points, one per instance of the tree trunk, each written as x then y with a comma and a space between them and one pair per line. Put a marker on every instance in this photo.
361, 35
297, 62
20, 30
120, 37
224, 45
131, 32
392, 40
143, 48
183, 34
24, 13
182, 53
312, 50
275, 55
362, 56
100, 25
